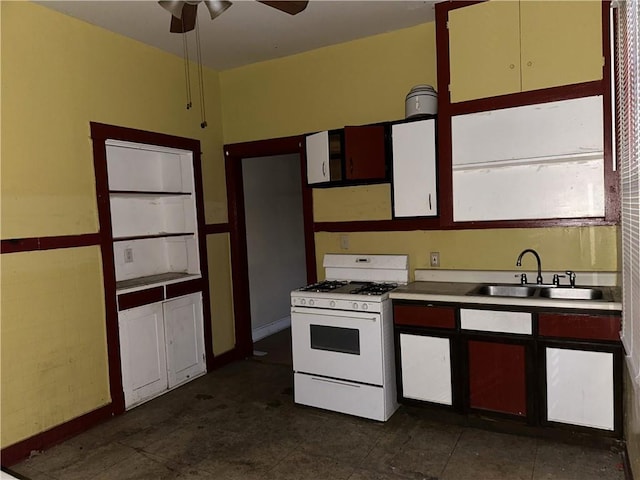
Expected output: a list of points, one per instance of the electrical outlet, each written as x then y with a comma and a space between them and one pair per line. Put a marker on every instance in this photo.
128, 255
344, 242
434, 259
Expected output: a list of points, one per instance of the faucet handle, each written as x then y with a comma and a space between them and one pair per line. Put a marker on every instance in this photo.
556, 279
523, 278
572, 277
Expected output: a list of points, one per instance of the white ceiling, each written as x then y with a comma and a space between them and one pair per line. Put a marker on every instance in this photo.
250, 32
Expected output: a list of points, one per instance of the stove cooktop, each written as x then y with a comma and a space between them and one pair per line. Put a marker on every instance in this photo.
350, 288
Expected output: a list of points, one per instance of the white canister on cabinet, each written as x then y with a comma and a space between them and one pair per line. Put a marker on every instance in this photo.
421, 100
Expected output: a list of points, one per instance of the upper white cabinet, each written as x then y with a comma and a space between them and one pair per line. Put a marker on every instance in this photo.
531, 162
504, 47
414, 169
153, 213
351, 155
320, 166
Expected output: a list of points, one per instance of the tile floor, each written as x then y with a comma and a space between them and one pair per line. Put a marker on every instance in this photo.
240, 422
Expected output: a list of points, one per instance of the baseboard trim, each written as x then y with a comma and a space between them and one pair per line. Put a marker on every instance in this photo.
271, 328
20, 451
41, 441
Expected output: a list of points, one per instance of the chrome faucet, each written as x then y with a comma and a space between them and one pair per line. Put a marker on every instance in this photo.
535, 254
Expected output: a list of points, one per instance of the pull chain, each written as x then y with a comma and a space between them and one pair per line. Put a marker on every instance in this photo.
187, 75
200, 77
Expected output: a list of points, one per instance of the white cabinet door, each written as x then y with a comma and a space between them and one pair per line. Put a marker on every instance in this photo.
580, 387
426, 368
414, 169
529, 162
318, 158
142, 352
185, 338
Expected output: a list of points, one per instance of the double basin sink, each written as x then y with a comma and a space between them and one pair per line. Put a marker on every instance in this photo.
542, 291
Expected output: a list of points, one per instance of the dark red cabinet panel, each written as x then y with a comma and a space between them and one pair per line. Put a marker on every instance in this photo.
424, 316
573, 325
364, 153
497, 377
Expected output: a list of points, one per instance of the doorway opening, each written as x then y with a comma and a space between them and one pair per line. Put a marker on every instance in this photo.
272, 245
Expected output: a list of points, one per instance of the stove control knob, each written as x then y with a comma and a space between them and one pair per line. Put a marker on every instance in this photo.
355, 306
365, 306
303, 301
311, 302
332, 303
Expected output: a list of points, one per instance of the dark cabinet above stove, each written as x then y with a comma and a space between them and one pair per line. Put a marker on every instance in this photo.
349, 156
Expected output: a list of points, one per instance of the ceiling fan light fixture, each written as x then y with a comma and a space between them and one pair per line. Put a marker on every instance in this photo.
216, 7
172, 6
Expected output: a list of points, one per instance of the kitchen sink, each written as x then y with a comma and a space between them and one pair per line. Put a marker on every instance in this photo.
569, 293
541, 291
504, 291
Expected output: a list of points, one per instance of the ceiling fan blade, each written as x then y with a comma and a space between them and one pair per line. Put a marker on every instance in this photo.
216, 7
292, 8
172, 6
188, 20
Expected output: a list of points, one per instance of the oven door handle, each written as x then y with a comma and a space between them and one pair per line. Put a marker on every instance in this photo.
335, 381
325, 313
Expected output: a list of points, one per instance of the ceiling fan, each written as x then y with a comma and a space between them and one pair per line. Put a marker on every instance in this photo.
183, 13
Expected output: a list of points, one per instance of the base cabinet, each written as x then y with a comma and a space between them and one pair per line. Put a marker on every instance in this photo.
580, 387
161, 347
142, 352
426, 368
497, 377
549, 369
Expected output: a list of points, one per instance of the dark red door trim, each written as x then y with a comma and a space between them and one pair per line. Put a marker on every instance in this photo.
234, 153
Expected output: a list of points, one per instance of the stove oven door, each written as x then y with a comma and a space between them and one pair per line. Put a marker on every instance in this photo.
337, 344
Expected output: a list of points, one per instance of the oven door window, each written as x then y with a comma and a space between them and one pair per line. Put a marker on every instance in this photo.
335, 339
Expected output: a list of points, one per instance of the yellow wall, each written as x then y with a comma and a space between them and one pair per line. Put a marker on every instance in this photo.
58, 74
354, 83
575, 248
220, 291
53, 344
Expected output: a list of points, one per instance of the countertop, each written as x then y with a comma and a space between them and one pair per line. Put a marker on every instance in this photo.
458, 292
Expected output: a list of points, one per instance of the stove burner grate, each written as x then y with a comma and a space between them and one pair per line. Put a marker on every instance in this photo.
325, 286
374, 288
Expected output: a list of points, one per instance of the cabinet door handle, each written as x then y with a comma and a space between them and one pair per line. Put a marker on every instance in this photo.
324, 169
429, 202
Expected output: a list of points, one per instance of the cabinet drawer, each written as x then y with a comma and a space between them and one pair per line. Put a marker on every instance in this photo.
424, 316
495, 321
588, 327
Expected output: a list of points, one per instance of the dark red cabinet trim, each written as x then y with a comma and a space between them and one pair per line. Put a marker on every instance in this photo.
140, 298
578, 326
184, 288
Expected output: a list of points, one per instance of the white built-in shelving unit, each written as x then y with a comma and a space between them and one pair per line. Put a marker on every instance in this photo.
154, 229
153, 214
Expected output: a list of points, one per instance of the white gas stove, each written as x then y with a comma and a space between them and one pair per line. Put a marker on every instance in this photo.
342, 336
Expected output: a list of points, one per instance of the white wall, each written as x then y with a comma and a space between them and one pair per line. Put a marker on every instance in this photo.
275, 238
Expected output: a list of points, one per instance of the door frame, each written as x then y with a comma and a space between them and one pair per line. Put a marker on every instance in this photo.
234, 153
